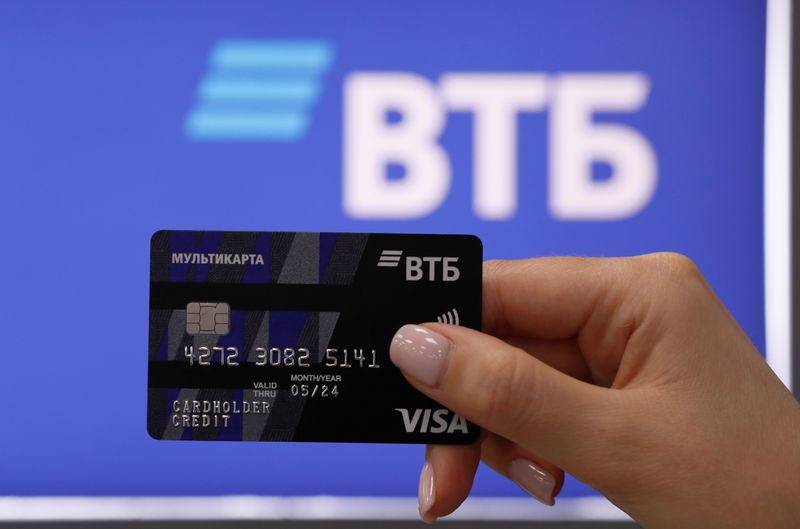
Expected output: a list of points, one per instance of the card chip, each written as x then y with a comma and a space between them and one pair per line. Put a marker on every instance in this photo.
208, 318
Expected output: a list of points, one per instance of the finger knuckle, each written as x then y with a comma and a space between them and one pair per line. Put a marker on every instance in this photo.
498, 267
672, 267
493, 265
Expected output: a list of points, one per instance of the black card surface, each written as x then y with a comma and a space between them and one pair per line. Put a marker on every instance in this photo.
284, 336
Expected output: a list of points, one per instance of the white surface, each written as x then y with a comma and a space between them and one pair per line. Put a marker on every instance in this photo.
777, 190
292, 508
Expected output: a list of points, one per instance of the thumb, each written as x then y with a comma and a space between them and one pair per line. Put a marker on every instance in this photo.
507, 391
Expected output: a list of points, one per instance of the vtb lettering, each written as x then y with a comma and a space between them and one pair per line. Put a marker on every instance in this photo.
432, 268
576, 143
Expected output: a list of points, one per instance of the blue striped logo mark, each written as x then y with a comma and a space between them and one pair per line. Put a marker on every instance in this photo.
259, 90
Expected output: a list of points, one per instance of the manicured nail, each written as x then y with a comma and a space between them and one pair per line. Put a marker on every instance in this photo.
420, 352
427, 493
533, 479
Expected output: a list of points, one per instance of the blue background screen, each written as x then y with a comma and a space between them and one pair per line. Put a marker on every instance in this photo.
118, 119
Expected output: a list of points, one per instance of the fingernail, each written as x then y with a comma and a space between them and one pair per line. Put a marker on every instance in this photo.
533, 479
420, 353
427, 493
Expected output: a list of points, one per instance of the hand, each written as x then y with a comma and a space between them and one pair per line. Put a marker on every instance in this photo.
628, 373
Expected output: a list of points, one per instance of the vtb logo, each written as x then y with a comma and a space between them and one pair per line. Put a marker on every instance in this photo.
432, 421
259, 90
422, 268
264, 90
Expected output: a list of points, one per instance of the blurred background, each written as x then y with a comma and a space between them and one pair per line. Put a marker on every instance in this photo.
600, 128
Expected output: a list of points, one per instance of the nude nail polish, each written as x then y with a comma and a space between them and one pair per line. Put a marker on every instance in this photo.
420, 353
533, 479
427, 493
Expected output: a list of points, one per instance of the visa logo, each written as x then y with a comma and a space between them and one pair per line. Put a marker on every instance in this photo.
432, 421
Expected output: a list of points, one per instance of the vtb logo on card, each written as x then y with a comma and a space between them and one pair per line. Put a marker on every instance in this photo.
417, 268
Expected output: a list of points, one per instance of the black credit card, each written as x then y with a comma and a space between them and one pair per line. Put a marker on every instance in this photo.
284, 336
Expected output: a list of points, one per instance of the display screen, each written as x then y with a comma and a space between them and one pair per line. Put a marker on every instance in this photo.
599, 128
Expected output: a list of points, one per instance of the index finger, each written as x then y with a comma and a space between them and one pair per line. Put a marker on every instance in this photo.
550, 297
